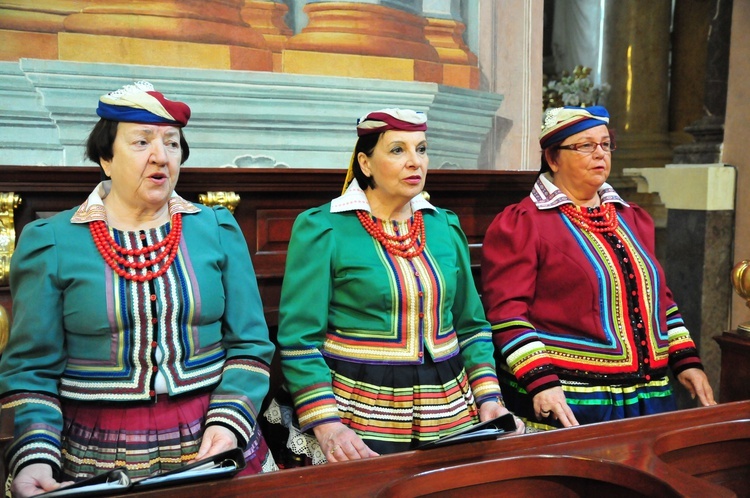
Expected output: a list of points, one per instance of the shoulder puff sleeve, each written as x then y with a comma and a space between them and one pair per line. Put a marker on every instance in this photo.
236, 400
683, 353
34, 358
475, 339
303, 318
510, 255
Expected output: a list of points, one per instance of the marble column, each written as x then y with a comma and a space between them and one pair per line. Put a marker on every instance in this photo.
189, 33
699, 197
709, 129
267, 18
690, 29
444, 31
365, 40
29, 29
636, 65
701, 239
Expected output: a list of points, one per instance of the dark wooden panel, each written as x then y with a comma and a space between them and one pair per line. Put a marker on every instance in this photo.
6, 437
734, 383
270, 201
274, 227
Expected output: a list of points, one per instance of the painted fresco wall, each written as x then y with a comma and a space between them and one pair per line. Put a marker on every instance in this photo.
271, 83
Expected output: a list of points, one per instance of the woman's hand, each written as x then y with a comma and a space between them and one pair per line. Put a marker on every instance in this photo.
493, 409
551, 403
696, 382
215, 440
33, 480
340, 443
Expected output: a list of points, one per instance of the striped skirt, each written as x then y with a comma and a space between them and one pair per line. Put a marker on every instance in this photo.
593, 403
147, 439
392, 408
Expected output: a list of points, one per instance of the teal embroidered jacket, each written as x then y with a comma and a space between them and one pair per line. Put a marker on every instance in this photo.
81, 332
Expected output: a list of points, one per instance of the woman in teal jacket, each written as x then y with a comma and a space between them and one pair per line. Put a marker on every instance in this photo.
138, 336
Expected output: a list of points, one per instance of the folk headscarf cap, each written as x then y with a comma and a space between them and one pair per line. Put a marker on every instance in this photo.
562, 122
384, 120
391, 119
140, 103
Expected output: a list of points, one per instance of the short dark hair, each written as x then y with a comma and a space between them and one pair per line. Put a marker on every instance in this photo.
365, 144
554, 152
102, 137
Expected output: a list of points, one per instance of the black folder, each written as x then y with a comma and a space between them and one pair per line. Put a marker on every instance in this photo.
222, 465
490, 429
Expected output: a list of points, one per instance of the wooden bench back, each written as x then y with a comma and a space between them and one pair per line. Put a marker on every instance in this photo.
270, 200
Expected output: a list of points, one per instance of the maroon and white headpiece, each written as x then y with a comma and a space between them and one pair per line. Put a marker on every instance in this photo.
384, 120
391, 119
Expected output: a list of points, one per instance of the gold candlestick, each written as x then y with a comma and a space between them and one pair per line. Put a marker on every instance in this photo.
741, 283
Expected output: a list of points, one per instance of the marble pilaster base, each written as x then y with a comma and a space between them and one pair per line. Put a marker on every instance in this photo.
25, 124
640, 149
28, 29
267, 18
459, 64
240, 118
38, 17
80, 47
709, 135
374, 37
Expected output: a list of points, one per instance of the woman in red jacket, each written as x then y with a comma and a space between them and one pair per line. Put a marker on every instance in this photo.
581, 316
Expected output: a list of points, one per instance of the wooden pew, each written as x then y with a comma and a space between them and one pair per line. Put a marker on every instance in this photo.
699, 452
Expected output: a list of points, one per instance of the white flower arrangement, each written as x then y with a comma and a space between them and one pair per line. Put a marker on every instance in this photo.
574, 89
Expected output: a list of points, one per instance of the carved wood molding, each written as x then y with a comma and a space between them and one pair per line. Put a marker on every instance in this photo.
229, 200
4, 328
8, 203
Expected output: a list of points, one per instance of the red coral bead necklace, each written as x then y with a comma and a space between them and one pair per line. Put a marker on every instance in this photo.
115, 255
602, 221
405, 246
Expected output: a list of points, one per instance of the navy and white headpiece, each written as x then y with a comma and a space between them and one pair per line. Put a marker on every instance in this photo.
140, 103
562, 122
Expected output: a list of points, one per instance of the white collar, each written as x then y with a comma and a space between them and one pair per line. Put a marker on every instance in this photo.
546, 195
93, 208
354, 199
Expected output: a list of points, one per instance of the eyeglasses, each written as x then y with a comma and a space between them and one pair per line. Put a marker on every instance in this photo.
590, 147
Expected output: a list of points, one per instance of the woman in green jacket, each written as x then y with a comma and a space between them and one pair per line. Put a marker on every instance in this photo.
384, 344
